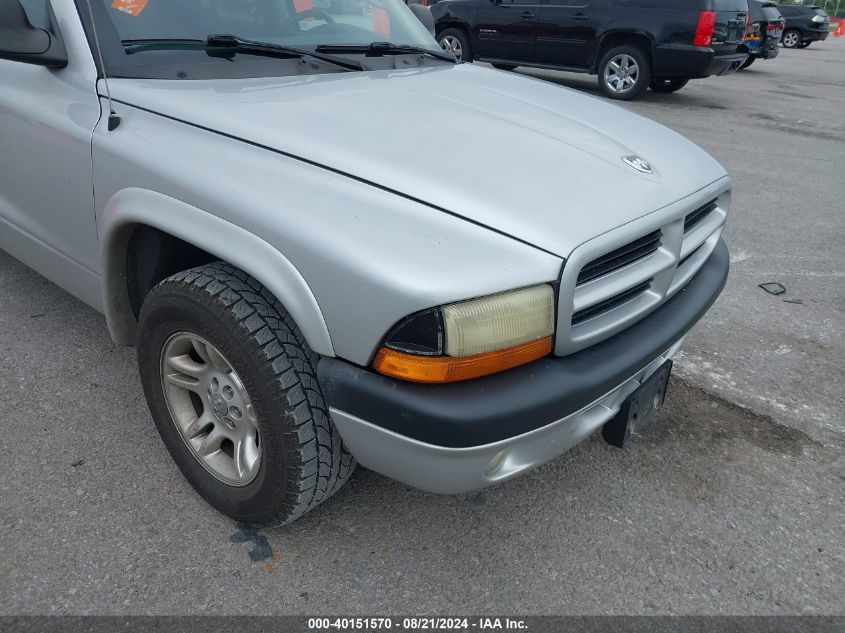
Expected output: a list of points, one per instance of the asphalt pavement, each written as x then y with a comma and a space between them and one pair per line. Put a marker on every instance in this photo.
733, 502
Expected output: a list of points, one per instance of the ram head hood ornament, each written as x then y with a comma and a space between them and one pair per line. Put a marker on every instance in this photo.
638, 163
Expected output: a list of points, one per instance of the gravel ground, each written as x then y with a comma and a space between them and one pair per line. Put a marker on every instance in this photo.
733, 502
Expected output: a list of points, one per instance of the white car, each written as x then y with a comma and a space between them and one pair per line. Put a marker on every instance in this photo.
313, 274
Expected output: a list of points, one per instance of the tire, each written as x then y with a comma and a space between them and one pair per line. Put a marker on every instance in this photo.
804, 44
667, 85
791, 39
629, 85
747, 62
504, 66
456, 42
221, 324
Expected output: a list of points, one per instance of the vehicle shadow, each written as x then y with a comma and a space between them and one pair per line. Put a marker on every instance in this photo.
588, 84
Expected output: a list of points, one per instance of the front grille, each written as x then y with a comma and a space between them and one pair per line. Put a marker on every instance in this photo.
621, 257
612, 281
686, 257
698, 216
608, 304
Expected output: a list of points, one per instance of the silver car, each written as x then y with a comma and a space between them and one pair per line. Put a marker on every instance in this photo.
332, 244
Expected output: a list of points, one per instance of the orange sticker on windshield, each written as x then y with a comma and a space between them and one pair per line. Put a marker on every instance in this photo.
132, 7
381, 22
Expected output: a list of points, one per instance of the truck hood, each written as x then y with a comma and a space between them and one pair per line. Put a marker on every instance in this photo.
530, 159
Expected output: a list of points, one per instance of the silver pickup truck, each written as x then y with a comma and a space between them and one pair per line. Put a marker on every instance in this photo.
331, 243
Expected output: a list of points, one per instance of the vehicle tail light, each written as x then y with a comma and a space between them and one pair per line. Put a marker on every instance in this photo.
704, 29
747, 23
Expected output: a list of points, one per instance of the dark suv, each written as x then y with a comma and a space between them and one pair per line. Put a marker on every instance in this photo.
804, 25
629, 44
765, 31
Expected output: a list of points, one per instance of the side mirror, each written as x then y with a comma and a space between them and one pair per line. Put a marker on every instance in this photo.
22, 42
423, 15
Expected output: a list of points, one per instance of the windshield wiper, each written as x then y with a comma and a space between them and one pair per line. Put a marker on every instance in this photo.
235, 44
378, 49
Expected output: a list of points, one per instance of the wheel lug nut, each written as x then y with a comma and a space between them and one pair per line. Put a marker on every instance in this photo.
235, 413
228, 392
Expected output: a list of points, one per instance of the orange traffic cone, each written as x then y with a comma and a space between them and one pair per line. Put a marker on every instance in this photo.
840, 28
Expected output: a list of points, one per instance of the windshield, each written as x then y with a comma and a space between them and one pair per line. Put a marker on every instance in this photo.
303, 24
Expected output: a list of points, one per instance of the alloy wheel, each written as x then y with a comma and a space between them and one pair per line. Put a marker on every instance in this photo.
211, 408
452, 45
621, 73
790, 40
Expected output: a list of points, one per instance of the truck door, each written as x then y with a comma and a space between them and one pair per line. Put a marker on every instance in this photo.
47, 118
565, 30
507, 29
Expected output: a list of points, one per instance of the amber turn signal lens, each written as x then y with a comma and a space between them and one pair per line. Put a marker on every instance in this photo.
433, 369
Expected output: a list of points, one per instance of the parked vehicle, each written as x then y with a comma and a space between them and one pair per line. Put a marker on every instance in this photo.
764, 32
804, 25
250, 213
630, 45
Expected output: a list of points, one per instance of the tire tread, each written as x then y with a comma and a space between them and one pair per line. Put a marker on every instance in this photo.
318, 462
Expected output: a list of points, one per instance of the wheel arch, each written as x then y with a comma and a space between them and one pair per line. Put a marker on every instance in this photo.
201, 237
799, 31
617, 37
453, 24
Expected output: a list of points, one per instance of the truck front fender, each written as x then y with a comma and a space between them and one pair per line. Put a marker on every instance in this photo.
131, 208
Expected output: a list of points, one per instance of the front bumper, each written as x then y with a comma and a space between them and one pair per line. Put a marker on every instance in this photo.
447, 438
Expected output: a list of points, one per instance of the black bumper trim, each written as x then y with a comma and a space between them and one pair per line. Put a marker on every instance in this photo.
514, 402
682, 61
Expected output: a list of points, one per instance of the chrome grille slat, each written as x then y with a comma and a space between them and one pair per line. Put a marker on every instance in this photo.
613, 281
698, 215
620, 257
609, 304
598, 290
686, 258
699, 233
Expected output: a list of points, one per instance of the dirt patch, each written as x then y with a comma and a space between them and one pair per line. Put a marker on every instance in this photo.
718, 420
799, 127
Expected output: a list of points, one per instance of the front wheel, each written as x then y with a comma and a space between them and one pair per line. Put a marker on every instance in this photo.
667, 85
791, 39
456, 43
624, 72
232, 387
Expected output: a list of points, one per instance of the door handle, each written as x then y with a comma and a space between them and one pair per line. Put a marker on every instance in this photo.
578, 17
526, 15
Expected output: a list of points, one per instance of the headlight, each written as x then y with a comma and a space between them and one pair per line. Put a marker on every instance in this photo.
499, 321
818, 19
471, 338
